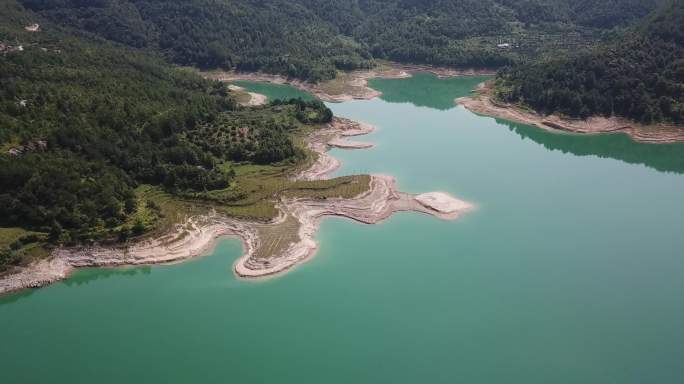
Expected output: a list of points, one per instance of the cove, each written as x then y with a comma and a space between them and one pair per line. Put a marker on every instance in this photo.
569, 271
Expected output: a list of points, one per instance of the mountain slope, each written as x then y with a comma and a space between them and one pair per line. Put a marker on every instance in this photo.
84, 123
279, 37
639, 76
310, 39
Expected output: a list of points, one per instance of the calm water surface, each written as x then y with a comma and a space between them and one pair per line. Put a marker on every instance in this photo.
570, 271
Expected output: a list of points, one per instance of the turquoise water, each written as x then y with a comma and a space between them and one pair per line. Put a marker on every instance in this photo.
569, 271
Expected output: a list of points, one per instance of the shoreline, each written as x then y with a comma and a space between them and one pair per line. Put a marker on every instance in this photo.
198, 235
354, 83
332, 136
483, 103
255, 99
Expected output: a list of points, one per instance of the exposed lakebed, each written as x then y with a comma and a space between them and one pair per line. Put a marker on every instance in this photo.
569, 271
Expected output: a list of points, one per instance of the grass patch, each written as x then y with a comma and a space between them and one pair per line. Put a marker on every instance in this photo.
254, 196
341, 84
10, 235
20, 247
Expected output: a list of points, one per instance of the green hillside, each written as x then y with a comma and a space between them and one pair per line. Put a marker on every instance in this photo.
98, 129
639, 76
84, 123
310, 39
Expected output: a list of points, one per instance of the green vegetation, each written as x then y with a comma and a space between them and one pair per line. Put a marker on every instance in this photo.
639, 76
85, 122
311, 39
101, 142
260, 135
18, 245
275, 36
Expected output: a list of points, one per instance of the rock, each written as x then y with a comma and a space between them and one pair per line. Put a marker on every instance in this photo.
441, 202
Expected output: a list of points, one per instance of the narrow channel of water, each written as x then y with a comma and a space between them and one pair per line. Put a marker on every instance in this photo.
570, 271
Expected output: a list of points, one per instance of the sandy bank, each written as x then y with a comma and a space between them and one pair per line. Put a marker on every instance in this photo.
349, 144
348, 85
269, 248
483, 103
354, 85
443, 72
255, 99
320, 140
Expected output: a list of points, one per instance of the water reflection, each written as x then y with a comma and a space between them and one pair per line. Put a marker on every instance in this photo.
82, 277
14, 297
661, 157
429, 91
564, 271
88, 275
426, 90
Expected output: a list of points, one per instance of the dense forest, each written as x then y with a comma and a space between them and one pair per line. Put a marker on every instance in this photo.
311, 39
278, 37
639, 76
83, 122
91, 109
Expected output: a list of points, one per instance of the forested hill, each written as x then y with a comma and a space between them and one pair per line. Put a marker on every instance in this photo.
638, 76
310, 39
83, 122
274, 36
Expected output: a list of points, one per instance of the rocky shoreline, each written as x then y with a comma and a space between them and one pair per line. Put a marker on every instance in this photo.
198, 234
355, 83
334, 135
483, 103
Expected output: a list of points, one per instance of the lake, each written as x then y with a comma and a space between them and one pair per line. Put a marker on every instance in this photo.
570, 270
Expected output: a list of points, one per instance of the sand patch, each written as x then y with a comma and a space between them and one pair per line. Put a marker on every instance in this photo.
348, 85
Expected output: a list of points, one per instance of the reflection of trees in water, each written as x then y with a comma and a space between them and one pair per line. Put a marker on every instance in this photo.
83, 276
86, 276
661, 157
14, 297
426, 90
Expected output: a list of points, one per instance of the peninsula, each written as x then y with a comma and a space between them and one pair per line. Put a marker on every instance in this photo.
484, 102
270, 247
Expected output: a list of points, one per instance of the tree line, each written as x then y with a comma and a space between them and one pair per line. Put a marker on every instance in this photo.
83, 122
312, 39
639, 76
